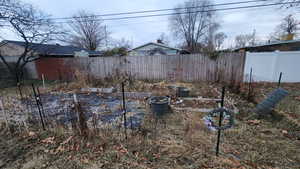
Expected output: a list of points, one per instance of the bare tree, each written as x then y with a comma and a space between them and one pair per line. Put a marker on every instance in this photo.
289, 3
219, 40
243, 40
246, 40
122, 43
4, 8
214, 39
288, 26
191, 22
30, 25
86, 31
119, 48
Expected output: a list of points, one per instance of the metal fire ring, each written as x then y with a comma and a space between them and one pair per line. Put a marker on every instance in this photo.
225, 112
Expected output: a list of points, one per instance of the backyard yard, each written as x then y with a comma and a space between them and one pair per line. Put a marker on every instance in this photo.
180, 138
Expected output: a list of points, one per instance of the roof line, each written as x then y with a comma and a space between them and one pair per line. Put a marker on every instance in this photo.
270, 44
158, 44
53, 49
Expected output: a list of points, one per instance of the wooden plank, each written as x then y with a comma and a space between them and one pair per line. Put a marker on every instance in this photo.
193, 67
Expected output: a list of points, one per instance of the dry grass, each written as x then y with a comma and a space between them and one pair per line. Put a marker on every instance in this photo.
178, 140
262, 145
181, 141
289, 106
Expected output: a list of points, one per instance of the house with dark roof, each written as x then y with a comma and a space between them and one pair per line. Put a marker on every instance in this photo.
284, 45
12, 50
15, 48
158, 48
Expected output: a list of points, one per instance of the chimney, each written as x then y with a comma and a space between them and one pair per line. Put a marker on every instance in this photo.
159, 41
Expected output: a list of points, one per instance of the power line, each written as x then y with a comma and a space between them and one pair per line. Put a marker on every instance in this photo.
135, 22
158, 10
169, 14
176, 13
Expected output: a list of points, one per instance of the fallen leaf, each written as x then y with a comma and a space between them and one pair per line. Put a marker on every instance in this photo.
253, 122
122, 149
53, 152
67, 141
31, 134
85, 160
60, 149
49, 140
77, 147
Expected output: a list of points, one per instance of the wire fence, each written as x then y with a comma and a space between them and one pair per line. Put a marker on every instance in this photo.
51, 109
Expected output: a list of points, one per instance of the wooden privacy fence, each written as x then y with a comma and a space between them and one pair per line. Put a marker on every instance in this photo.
227, 67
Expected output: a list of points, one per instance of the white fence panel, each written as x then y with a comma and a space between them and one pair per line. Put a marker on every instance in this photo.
267, 66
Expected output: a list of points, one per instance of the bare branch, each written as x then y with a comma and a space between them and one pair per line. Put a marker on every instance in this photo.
86, 32
192, 24
31, 25
289, 26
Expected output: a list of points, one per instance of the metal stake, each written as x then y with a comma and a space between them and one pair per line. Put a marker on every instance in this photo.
279, 80
124, 109
220, 121
20, 90
40, 102
38, 105
250, 82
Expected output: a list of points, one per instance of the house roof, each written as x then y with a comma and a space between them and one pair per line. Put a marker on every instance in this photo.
157, 44
53, 49
271, 44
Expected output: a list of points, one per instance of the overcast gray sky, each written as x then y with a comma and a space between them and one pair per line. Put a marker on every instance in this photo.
143, 30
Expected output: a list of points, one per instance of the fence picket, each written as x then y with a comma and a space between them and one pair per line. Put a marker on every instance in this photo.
193, 67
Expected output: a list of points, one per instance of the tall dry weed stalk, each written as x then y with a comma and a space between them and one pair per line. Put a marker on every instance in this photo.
83, 128
81, 78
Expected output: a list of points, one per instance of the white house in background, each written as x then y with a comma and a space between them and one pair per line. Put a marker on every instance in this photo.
157, 48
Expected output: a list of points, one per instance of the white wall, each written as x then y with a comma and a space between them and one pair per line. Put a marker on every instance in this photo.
267, 66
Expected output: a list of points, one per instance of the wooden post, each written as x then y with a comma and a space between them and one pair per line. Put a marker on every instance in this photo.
83, 128
75, 104
43, 79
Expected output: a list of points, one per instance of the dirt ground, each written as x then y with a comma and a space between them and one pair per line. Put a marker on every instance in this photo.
180, 139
